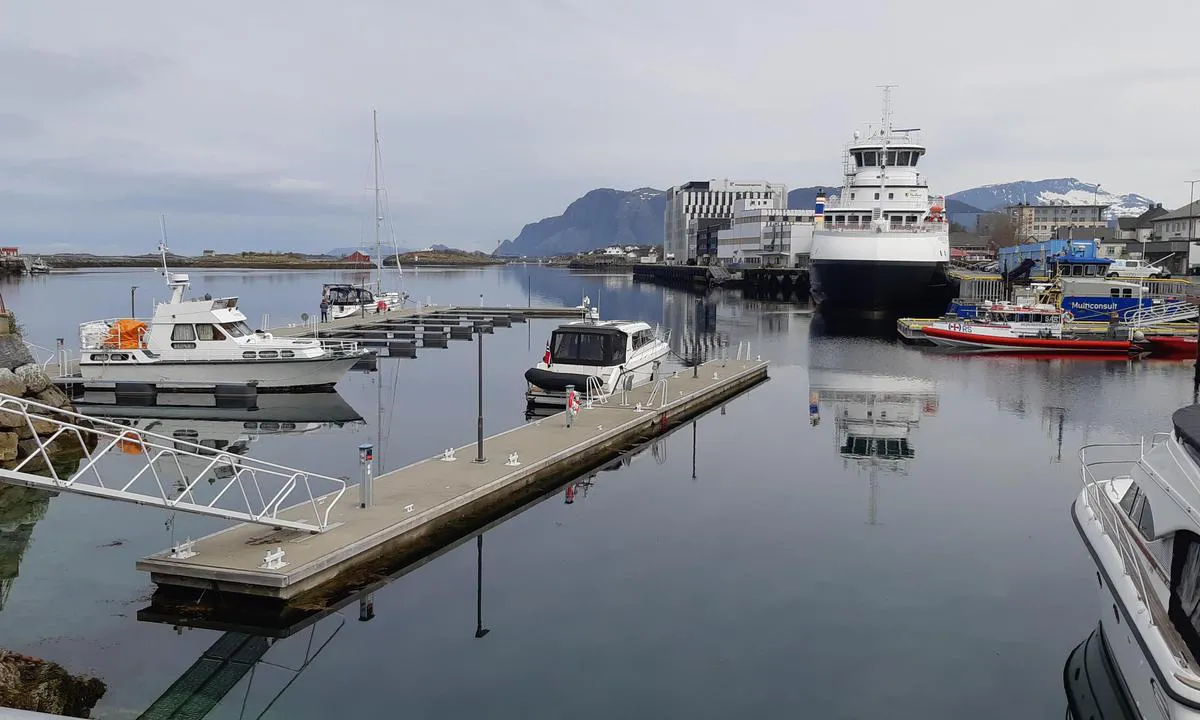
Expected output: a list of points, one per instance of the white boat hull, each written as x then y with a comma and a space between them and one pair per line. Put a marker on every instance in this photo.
266, 375
1132, 637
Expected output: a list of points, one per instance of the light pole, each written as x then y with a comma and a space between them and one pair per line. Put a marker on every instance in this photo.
132, 301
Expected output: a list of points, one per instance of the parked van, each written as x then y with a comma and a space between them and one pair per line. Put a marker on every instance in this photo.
1136, 269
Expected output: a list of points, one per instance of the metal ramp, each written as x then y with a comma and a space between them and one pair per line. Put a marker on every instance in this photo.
119, 463
1176, 311
719, 274
210, 678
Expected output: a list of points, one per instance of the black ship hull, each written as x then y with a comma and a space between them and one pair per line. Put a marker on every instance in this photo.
881, 290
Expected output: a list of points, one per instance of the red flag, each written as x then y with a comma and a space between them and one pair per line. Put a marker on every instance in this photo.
546, 357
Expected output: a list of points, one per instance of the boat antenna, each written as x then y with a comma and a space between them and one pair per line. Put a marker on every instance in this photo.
886, 131
378, 217
162, 245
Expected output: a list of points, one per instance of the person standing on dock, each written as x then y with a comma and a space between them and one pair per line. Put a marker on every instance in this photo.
324, 308
1114, 325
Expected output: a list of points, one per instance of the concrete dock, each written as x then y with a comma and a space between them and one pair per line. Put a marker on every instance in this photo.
434, 495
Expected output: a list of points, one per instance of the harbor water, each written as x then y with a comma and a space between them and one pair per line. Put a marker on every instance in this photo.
877, 531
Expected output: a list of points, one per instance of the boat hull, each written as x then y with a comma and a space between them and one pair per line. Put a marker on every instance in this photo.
974, 341
1168, 345
881, 289
289, 374
549, 388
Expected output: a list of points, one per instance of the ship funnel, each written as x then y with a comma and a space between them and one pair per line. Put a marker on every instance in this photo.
819, 208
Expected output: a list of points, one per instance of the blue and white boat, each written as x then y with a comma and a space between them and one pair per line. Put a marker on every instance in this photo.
1095, 299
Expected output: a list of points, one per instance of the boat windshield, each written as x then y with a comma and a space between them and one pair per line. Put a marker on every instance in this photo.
348, 295
574, 347
236, 329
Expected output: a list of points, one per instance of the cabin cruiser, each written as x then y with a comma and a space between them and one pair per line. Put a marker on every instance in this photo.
1139, 515
597, 358
349, 300
204, 343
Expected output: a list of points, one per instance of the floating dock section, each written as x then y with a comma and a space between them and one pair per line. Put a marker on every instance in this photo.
437, 494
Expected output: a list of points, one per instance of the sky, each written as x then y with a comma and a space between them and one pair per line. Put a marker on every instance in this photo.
248, 124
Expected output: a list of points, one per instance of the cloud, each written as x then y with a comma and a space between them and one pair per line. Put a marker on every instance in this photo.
249, 124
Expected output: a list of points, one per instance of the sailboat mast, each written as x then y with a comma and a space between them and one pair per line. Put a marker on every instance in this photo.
378, 219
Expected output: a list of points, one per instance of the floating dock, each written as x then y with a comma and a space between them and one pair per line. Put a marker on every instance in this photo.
437, 494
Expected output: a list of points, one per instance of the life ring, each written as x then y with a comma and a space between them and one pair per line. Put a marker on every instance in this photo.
1068, 317
380, 306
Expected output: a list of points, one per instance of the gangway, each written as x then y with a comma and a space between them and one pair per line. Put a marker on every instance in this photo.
120, 463
1176, 311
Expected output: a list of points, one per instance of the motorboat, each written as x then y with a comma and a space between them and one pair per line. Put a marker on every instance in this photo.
346, 300
1171, 345
205, 343
1139, 516
596, 358
1012, 327
39, 267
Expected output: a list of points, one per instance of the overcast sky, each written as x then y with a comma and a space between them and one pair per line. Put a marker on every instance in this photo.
249, 123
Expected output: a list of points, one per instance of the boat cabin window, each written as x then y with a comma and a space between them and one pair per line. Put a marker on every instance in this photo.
1121, 292
207, 332
236, 329
1134, 503
642, 337
349, 295
1183, 607
573, 347
183, 337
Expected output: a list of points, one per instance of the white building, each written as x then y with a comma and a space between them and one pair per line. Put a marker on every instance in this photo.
1181, 224
698, 200
761, 235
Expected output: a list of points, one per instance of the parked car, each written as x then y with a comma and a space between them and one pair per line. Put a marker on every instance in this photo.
1136, 269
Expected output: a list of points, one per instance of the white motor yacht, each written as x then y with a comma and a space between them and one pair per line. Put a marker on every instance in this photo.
597, 357
202, 343
1139, 515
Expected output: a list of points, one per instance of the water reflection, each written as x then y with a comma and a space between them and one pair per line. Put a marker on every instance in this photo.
20, 510
1092, 682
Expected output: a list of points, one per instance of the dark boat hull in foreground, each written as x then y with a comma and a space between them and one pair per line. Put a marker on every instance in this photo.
881, 289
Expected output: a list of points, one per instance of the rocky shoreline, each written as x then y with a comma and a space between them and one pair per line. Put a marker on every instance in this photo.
29, 683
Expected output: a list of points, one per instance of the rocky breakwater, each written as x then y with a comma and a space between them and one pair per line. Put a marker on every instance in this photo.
23, 436
29, 683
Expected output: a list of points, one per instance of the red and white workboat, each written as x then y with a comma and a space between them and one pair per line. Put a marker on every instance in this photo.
1170, 345
1005, 327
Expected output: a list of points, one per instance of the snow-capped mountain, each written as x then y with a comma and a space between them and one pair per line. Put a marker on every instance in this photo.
1065, 191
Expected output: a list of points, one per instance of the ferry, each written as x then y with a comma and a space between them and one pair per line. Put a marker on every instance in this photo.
597, 358
1016, 328
1138, 514
204, 343
883, 247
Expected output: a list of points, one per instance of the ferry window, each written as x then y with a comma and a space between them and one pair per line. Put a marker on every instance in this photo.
851, 196
207, 332
891, 157
904, 157
891, 196
869, 158
183, 333
876, 196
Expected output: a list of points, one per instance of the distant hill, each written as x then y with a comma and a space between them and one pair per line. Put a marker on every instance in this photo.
1051, 191
598, 219
344, 251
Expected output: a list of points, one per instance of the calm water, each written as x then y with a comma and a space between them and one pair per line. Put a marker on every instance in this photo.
758, 563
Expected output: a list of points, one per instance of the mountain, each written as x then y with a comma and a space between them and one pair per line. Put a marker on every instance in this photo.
598, 219
1052, 191
804, 198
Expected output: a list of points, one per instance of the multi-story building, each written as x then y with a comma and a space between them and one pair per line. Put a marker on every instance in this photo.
1042, 222
698, 200
763, 235
1181, 224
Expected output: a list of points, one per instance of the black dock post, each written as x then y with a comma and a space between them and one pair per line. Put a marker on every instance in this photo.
479, 420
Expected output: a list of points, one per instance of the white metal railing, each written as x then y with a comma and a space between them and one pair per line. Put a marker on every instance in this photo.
1108, 513
659, 385
594, 392
1177, 311
241, 488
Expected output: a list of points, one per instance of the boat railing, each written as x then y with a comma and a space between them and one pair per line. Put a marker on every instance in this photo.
1106, 511
928, 228
339, 347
